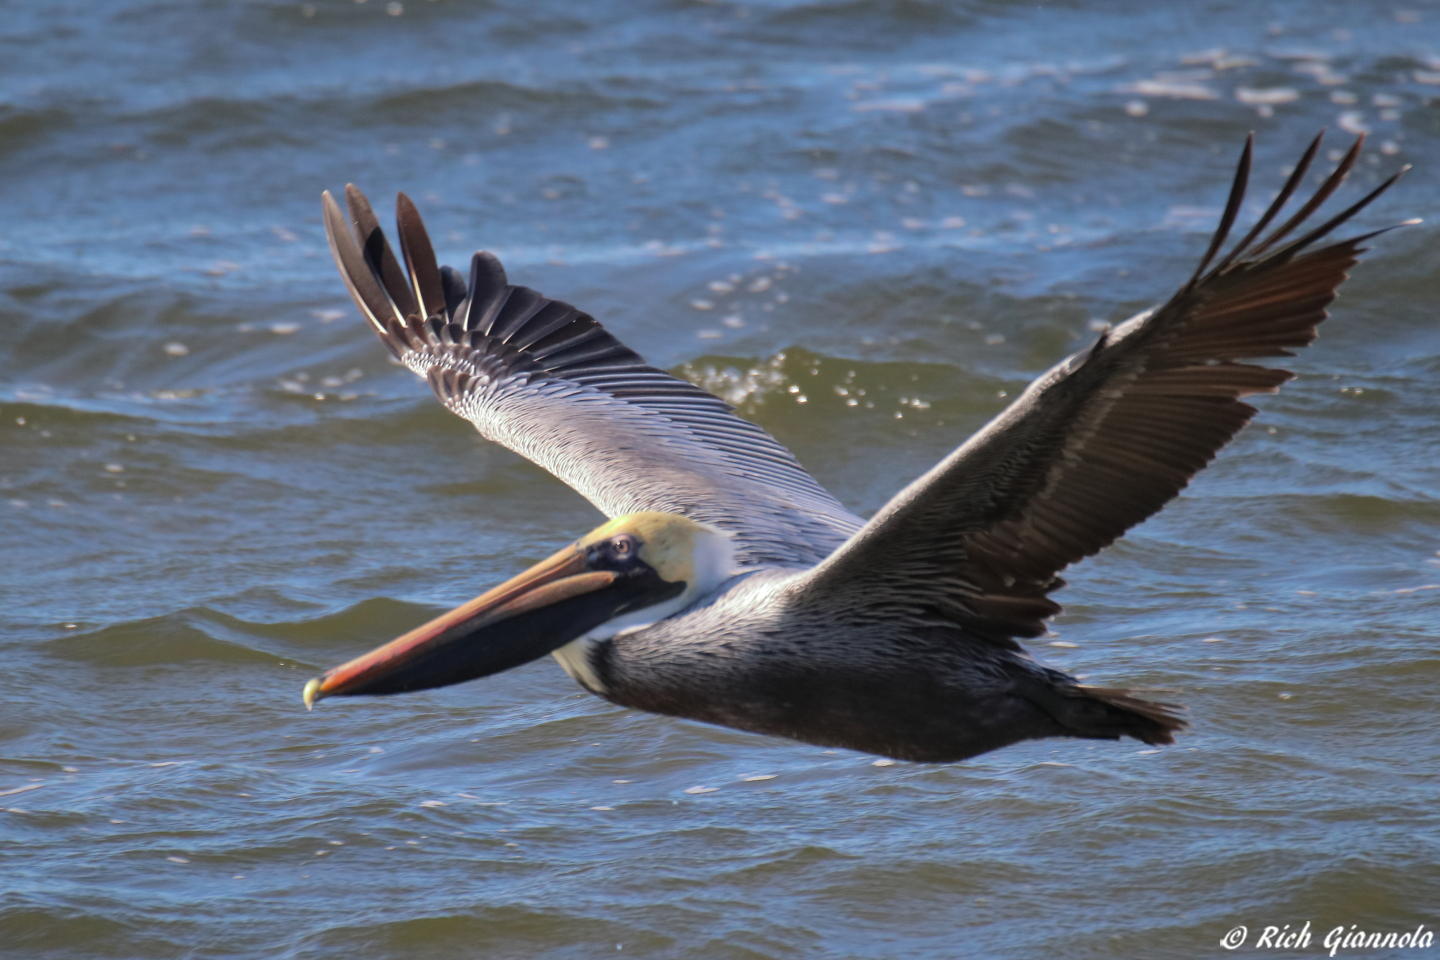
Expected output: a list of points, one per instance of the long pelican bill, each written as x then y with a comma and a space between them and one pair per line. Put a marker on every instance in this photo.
523, 619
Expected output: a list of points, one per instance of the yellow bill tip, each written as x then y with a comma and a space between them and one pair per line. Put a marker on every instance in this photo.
308, 694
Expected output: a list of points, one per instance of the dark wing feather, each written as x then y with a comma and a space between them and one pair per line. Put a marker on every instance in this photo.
552, 384
377, 254
424, 273
1101, 441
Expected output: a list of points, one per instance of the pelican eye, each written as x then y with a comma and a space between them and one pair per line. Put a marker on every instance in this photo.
619, 552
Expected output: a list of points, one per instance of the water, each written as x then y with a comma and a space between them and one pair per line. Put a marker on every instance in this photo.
213, 483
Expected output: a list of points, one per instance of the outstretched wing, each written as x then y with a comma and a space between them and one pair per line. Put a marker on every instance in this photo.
1104, 439
550, 383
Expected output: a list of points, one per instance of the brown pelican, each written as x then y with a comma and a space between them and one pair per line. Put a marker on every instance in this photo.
730, 587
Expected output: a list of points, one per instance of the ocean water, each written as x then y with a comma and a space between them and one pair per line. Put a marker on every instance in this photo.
867, 224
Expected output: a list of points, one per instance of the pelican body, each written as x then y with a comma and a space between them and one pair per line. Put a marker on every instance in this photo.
729, 587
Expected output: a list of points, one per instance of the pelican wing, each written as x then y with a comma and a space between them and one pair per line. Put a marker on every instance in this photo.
547, 381
1104, 439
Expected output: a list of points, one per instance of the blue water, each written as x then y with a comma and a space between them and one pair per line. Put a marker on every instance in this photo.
213, 483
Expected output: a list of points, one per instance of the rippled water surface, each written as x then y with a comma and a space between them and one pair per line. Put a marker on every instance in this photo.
863, 222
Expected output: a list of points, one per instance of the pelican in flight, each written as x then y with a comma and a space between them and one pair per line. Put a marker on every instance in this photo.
729, 587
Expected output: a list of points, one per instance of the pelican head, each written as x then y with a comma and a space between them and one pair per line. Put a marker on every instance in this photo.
632, 571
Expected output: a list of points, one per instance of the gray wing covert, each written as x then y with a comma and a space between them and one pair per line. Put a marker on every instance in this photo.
550, 383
